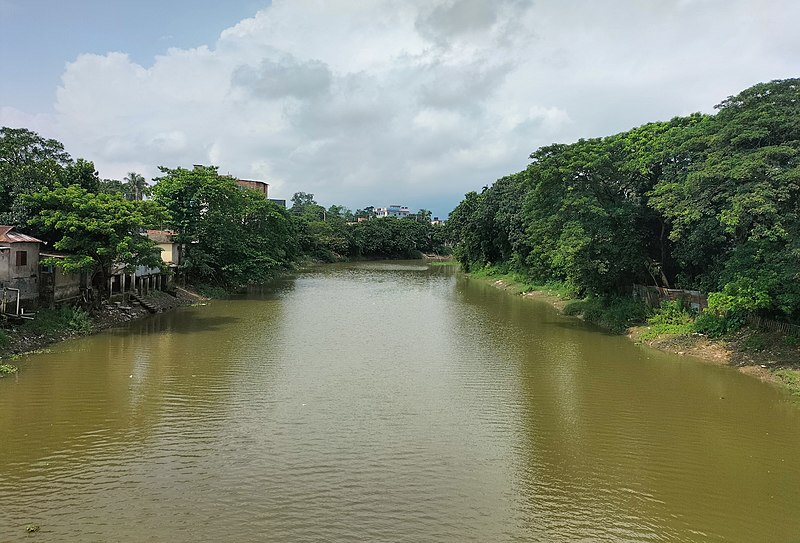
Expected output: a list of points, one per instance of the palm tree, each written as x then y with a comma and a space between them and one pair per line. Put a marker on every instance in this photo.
136, 186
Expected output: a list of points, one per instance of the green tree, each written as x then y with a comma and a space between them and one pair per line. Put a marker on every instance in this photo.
28, 163
96, 231
82, 173
735, 216
231, 236
111, 186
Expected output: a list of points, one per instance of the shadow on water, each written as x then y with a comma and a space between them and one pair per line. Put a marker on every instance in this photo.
178, 323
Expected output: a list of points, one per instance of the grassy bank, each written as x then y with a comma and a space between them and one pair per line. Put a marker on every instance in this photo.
724, 340
518, 283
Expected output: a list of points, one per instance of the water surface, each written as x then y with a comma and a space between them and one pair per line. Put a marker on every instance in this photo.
389, 402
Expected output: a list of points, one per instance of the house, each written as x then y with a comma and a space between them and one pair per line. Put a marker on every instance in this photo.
259, 186
392, 211
171, 252
19, 268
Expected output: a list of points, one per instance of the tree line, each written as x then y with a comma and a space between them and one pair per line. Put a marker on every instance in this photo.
706, 202
231, 236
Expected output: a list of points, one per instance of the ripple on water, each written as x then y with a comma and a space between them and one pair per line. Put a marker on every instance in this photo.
377, 402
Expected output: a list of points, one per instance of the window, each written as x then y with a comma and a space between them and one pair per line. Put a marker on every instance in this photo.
22, 258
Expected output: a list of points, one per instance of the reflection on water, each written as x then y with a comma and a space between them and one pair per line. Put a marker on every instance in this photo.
389, 402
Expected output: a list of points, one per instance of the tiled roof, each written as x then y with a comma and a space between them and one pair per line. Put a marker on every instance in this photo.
7, 235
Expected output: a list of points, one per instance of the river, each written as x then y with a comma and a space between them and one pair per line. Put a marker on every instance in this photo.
389, 401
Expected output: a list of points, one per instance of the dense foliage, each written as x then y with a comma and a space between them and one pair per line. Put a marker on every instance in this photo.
231, 236
701, 202
96, 230
338, 234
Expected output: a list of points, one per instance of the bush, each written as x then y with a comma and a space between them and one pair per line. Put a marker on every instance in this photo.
4, 339
756, 343
53, 321
791, 378
615, 313
716, 325
672, 318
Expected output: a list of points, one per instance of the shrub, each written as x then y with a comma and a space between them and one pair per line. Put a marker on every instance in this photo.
756, 343
716, 325
615, 313
791, 378
671, 318
52, 321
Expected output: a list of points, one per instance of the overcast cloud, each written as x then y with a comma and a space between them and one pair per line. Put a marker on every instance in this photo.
412, 102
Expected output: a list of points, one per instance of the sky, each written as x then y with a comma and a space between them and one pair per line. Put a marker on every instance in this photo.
372, 102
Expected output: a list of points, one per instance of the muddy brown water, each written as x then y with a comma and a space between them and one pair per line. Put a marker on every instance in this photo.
389, 402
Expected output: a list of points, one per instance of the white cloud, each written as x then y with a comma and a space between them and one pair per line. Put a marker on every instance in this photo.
412, 101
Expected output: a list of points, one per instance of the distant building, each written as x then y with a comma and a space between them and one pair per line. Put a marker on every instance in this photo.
436, 221
259, 186
392, 211
278, 201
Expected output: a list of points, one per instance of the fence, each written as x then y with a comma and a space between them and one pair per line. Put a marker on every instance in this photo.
653, 296
694, 299
774, 326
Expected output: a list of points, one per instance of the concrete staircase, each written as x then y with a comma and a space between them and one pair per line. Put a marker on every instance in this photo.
147, 305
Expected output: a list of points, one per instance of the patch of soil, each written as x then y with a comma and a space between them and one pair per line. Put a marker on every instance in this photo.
751, 351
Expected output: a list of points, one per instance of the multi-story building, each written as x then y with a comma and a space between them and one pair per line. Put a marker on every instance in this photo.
254, 184
392, 211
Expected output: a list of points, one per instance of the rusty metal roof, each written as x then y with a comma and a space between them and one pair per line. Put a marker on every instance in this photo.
161, 236
7, 235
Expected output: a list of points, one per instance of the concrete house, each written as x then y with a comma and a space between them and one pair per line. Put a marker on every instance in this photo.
19, 268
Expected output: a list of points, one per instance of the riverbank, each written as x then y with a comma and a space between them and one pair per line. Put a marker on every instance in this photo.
59, 325
770, 357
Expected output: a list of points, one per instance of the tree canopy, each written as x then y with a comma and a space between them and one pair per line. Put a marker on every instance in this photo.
96, 230
700, 202
231, 236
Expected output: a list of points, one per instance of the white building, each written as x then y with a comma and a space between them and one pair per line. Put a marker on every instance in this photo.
392, 211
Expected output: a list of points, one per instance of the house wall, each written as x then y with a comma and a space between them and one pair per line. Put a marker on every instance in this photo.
170, 252
260, 186
56, 287
25, 277
67, 285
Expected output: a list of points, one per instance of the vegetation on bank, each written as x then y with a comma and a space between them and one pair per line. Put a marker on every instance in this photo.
703, 202
709, 203
336, 233
672, 327
231, 236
